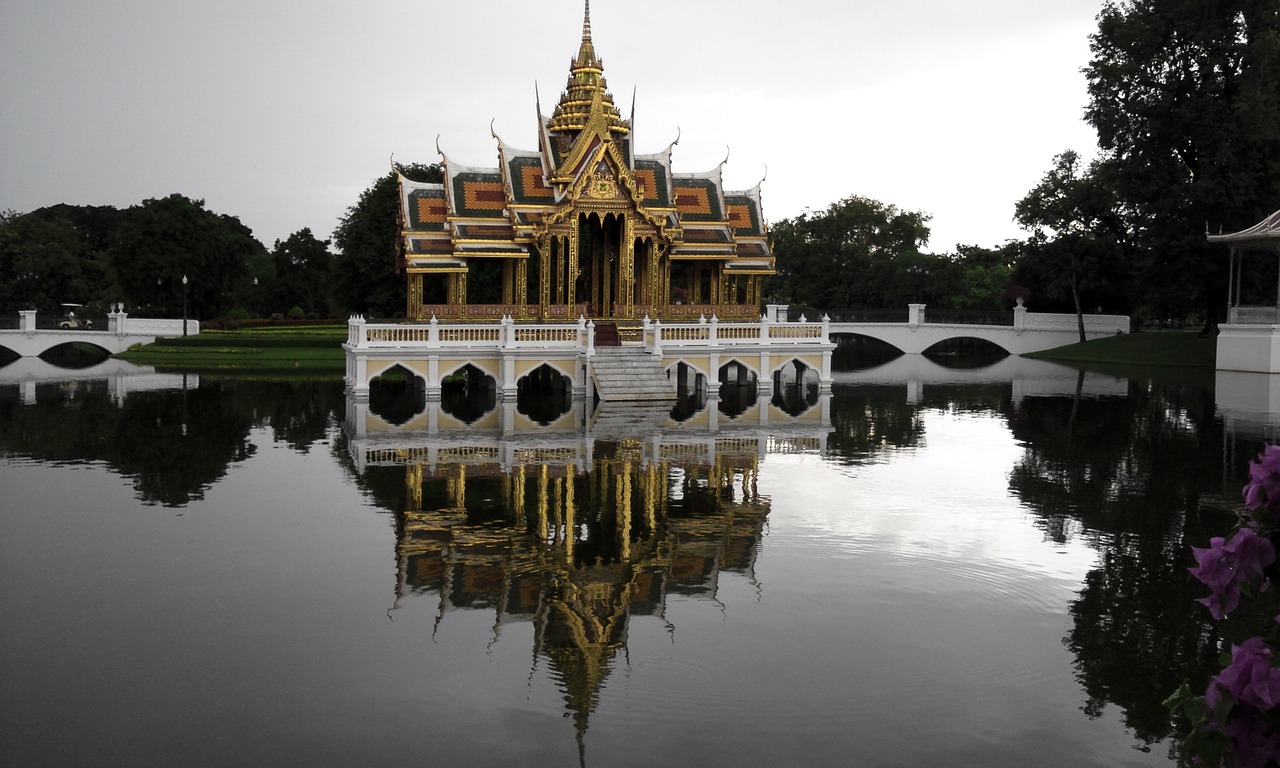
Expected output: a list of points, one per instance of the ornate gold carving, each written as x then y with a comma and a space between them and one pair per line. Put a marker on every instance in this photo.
602, 185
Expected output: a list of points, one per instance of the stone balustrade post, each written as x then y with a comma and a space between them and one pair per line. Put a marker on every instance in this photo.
1019, 316
26, 319
765, 322
433, 332
657, 338
591, 338
915, 314
714, 337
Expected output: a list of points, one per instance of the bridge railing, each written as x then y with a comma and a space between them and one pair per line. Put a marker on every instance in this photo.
849, 315
969, 317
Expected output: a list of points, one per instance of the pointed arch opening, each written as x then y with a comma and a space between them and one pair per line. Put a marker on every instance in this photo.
397, 395
738, 389
544, 394
795, 387
691, 391
468, 394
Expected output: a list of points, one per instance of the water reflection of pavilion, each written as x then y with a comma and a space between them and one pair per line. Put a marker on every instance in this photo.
576, 532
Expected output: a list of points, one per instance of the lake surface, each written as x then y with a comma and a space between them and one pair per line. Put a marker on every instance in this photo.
931, 567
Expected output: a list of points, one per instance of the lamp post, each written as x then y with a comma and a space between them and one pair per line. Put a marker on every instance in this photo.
184, 305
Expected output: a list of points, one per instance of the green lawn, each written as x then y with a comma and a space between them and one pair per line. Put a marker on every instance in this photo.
267, 351
1181, 349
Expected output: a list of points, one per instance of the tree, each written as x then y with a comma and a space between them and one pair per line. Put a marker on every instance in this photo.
40, 264
1185, 98
303, 271
161, 241
854, 254
1078, 235
978, 278
365, 268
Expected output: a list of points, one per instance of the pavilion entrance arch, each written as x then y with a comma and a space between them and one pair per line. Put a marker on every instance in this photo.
796, 386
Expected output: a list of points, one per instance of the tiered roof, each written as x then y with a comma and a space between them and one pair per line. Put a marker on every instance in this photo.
584, 154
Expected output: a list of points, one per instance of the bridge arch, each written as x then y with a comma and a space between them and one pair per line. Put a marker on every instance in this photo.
973, 351
878, 345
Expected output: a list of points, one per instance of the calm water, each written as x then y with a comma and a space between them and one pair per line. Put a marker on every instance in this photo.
934, 567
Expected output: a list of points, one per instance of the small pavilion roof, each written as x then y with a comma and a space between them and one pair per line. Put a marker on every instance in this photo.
1264, 234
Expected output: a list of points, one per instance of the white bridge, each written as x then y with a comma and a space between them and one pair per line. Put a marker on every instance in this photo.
1028, 332
121, 333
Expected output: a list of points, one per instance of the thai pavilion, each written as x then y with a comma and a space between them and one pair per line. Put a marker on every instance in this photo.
582, 226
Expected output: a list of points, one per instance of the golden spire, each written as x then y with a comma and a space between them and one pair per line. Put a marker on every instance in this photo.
586, 80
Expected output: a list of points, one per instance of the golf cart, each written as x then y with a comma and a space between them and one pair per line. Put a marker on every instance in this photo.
70, 322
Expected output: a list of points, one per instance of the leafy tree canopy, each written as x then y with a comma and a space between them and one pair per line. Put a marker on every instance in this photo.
163, 240
846, 255
1185, 97
365, 267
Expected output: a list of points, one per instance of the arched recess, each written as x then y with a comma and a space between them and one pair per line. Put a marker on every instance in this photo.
75, 355
691, 390
856, 352
795, 387
544, 394
739, 386
396, 395
468, 393
966, 352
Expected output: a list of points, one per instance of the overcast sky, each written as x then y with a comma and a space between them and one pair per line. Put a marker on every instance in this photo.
283, 112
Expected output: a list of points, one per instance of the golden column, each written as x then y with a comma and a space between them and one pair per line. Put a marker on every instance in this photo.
627, 266
413, 302
522, 287
572, 286
544, 276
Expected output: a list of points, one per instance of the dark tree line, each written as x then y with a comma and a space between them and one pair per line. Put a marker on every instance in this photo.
100, 255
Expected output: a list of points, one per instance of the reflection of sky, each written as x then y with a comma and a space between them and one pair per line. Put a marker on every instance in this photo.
907, 612
947, 498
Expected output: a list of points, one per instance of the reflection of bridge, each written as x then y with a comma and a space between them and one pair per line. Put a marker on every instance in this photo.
1030, 378
121, 333
1026, 331
121, 377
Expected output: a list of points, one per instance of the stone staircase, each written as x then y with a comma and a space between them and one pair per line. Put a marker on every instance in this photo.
630, 375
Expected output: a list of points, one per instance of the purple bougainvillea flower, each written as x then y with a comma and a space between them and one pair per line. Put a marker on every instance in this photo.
1222, 601
1226, 564
1213, 564
1250, 554
1251, 677
1254, 743
1263, 488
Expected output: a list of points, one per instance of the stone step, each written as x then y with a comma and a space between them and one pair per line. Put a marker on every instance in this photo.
629, 374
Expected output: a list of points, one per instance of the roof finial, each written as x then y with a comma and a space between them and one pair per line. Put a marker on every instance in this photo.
586, 23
